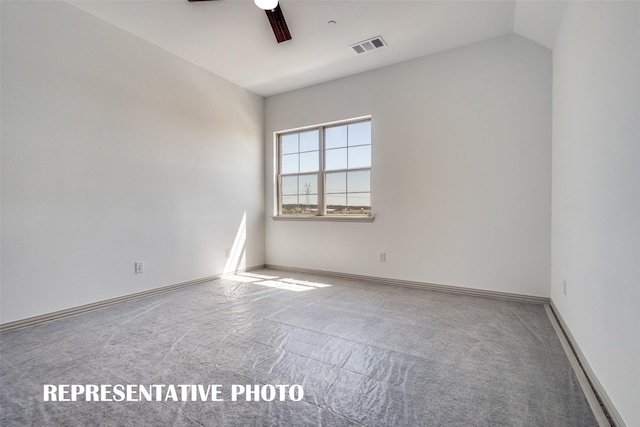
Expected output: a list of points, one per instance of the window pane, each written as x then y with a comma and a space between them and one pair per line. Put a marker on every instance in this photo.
308, 184
290, 163
289, 185
300, 205
336, 159
345, 191
289, 204
359, 181
309, 162
335, 137
307, 206
359, 200
335, 182
360, 133
309, 141
289, 143
360, 157
310, 201
336, 204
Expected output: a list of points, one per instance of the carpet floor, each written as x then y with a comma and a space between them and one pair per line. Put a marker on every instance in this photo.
362, 353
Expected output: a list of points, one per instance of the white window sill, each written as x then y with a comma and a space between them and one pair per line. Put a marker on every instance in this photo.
327, 218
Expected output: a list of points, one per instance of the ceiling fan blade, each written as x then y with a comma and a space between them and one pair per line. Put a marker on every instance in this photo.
279, 25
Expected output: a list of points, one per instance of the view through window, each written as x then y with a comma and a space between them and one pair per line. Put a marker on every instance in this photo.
326, 170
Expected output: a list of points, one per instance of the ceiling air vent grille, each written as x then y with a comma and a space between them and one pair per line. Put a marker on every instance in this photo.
368, 45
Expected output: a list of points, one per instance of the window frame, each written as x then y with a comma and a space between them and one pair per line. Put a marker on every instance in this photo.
321, 173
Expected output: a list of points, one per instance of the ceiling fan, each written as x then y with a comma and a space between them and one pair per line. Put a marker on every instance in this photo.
276, 18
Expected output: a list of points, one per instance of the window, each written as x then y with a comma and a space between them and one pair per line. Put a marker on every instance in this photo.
325, 171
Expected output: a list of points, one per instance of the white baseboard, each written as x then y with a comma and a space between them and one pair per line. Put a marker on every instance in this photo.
32, 321
582, 369
421, 285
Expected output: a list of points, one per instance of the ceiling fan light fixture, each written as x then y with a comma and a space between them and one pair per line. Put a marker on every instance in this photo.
266, 4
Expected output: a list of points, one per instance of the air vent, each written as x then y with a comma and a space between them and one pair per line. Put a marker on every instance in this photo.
368, 45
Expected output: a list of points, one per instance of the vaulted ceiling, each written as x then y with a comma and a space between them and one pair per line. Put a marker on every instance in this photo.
233, 39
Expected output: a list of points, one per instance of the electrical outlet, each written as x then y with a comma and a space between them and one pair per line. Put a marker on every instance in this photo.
139, 267
564, 286
227, 252
383, 257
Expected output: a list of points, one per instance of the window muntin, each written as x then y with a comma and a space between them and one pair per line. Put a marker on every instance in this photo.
325, 171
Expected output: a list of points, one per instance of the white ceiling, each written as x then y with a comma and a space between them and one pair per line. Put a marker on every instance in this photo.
233, 39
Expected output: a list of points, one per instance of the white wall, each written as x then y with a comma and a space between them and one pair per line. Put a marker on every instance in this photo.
461, 170
115, 151
596, 191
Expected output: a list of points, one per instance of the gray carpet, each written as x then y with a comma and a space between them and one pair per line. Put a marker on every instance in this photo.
365, 354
